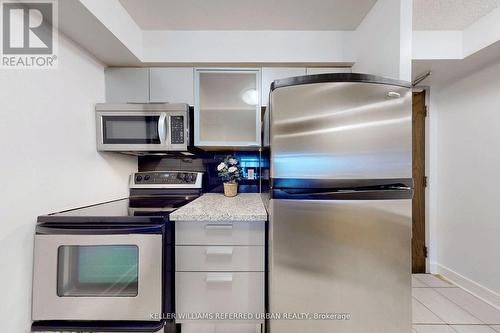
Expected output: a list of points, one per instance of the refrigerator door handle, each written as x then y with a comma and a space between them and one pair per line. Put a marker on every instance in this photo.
347, 194
348, 191
401, 188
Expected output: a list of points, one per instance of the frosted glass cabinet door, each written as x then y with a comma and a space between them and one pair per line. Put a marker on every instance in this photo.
227, 108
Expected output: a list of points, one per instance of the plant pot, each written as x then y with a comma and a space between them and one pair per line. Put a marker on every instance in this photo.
230, 189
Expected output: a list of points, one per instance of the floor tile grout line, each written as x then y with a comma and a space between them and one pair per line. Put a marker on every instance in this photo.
451, 285
416, 277
494, 329
461, 306
447, 325
425, 306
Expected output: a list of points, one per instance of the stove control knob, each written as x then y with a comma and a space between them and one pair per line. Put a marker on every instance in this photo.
146, 177
138, 178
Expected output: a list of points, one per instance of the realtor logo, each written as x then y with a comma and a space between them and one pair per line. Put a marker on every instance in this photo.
29, 34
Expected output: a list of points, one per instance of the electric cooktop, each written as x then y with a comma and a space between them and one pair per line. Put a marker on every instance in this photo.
153, 196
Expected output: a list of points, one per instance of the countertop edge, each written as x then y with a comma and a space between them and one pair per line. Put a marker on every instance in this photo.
248, 207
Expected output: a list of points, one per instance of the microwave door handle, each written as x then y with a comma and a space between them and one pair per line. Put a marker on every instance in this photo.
162, 129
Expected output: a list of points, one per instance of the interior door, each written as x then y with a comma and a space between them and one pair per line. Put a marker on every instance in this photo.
419, 251
97, 277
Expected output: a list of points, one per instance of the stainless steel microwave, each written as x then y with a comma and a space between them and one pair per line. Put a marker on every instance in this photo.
142, 127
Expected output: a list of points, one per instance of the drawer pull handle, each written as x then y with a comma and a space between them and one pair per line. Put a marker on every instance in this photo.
219, 227
220, 251
219, 278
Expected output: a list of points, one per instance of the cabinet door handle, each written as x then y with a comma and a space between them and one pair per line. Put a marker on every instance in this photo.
219, 226
219, 277
220, 250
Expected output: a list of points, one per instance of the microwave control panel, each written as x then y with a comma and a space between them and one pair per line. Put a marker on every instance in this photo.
177, 130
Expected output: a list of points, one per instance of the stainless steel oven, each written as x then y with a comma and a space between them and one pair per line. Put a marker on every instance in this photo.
98, 271
109, 267
143, 127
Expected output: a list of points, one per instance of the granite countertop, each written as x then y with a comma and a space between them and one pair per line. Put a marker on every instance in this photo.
217, 207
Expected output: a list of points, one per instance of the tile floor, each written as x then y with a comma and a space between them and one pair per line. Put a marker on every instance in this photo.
441, 307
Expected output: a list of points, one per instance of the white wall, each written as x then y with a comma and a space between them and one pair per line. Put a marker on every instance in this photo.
428, 45
115, 17
248, 47
466, 220
382, 42
48, 163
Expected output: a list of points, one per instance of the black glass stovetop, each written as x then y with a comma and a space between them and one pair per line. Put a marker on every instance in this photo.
136, 208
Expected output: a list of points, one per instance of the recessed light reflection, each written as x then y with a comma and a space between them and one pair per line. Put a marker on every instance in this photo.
347, 127
250, 97
382, 106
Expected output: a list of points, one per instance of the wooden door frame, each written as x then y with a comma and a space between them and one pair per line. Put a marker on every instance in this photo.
419, 204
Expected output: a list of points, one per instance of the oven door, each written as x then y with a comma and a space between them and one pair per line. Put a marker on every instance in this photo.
94, 277
131, 131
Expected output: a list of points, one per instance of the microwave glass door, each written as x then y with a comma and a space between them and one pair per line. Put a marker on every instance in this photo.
98, 270
131, 129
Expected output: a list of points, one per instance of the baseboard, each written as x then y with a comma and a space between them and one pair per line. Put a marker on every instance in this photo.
433, 267
487, 295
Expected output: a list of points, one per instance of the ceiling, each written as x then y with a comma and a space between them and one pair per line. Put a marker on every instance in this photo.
448, 71
248, 14
449, 14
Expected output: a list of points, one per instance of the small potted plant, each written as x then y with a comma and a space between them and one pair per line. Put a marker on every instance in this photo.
230, 172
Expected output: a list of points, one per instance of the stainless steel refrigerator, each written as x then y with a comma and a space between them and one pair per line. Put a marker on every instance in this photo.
340, 204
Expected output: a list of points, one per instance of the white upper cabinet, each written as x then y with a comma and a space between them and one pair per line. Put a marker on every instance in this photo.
125, 85
269, 74
173, 85
145, 85
324, 70
227, 108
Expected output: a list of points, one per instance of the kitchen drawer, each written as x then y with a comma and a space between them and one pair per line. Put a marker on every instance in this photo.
205, 292
219, 258
220, 233
221, 328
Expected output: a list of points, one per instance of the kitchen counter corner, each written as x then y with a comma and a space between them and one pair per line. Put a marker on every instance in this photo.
217, 207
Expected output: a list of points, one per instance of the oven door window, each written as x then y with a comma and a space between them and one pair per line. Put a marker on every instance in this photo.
130, 129
97, 271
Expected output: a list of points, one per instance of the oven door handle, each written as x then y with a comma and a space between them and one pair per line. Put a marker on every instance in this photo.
104, 230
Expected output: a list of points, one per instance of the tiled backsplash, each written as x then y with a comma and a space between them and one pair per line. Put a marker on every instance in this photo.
207, 162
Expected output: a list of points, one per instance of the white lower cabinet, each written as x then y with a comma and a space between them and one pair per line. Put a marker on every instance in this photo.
220, 276
220, 292
219, 258
220, 233
222, 328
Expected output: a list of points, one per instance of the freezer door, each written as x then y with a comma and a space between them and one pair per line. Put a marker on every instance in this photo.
343, 130
340, 256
